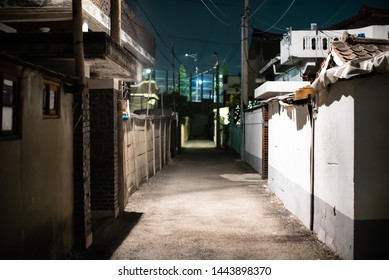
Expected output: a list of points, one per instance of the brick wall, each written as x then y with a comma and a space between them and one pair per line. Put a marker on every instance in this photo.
81, 158
131, 24
104, 5
134, 27
104, 152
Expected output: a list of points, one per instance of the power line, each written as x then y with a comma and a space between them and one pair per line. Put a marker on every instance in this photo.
217, 8
219, 3
287, 10
257, 9
338, 11
268, 25
152, 24
162, 52
215, 16
158, 34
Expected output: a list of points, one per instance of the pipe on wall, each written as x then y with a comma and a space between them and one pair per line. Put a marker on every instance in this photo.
78, 41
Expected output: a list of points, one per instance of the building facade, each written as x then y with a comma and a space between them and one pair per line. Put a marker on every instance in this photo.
88, 132
315, 136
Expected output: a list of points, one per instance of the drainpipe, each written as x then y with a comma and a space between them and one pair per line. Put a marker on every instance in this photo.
78, 42
116, 20
279, 73
312, 110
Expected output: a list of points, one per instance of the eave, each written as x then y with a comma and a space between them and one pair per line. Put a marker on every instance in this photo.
104, 56
277, 88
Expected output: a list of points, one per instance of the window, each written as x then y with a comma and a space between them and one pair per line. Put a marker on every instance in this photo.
313, 42
8, 101
50, 99
325, 43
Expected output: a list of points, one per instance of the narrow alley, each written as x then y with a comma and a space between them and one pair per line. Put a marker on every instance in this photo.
206, 204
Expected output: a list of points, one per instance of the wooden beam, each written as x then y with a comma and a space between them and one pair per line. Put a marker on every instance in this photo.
303, 93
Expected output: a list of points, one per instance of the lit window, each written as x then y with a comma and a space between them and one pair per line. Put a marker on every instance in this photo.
7, 105
51, 99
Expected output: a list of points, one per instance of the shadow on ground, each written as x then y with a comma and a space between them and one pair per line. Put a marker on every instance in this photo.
108, 234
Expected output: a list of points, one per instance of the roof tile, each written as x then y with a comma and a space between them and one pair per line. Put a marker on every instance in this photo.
352, 47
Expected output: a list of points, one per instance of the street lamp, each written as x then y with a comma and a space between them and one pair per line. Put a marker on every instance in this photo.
194, 56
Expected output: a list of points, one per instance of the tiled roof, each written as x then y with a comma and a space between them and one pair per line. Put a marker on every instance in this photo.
352, 47
353, 56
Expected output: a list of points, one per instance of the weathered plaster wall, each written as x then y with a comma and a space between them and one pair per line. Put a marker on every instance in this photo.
11, 212
253, 139
37, 189
289, 157
334, 168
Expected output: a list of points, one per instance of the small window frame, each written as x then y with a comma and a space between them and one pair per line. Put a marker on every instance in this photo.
51, 101
11, 103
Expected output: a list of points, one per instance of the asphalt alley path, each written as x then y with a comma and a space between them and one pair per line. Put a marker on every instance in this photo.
206, 204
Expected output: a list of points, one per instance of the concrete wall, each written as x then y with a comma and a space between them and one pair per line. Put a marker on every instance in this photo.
36, 174
334, 168
371, 176
253, 139
351, 162
146, 149
289, 157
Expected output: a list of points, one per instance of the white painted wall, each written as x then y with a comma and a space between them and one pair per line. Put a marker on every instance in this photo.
295, 47
371, 176
289, 157
334, 168
351, 159
253, 139
371, 145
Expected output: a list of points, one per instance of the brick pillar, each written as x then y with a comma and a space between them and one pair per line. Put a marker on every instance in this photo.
81, 165
104, 148
265, 141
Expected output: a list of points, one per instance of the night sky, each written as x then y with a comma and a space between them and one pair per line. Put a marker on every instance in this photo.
208, 26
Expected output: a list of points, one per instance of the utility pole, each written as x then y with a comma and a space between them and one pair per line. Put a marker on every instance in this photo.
217, 104
244, 73
173, 54
244, 54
